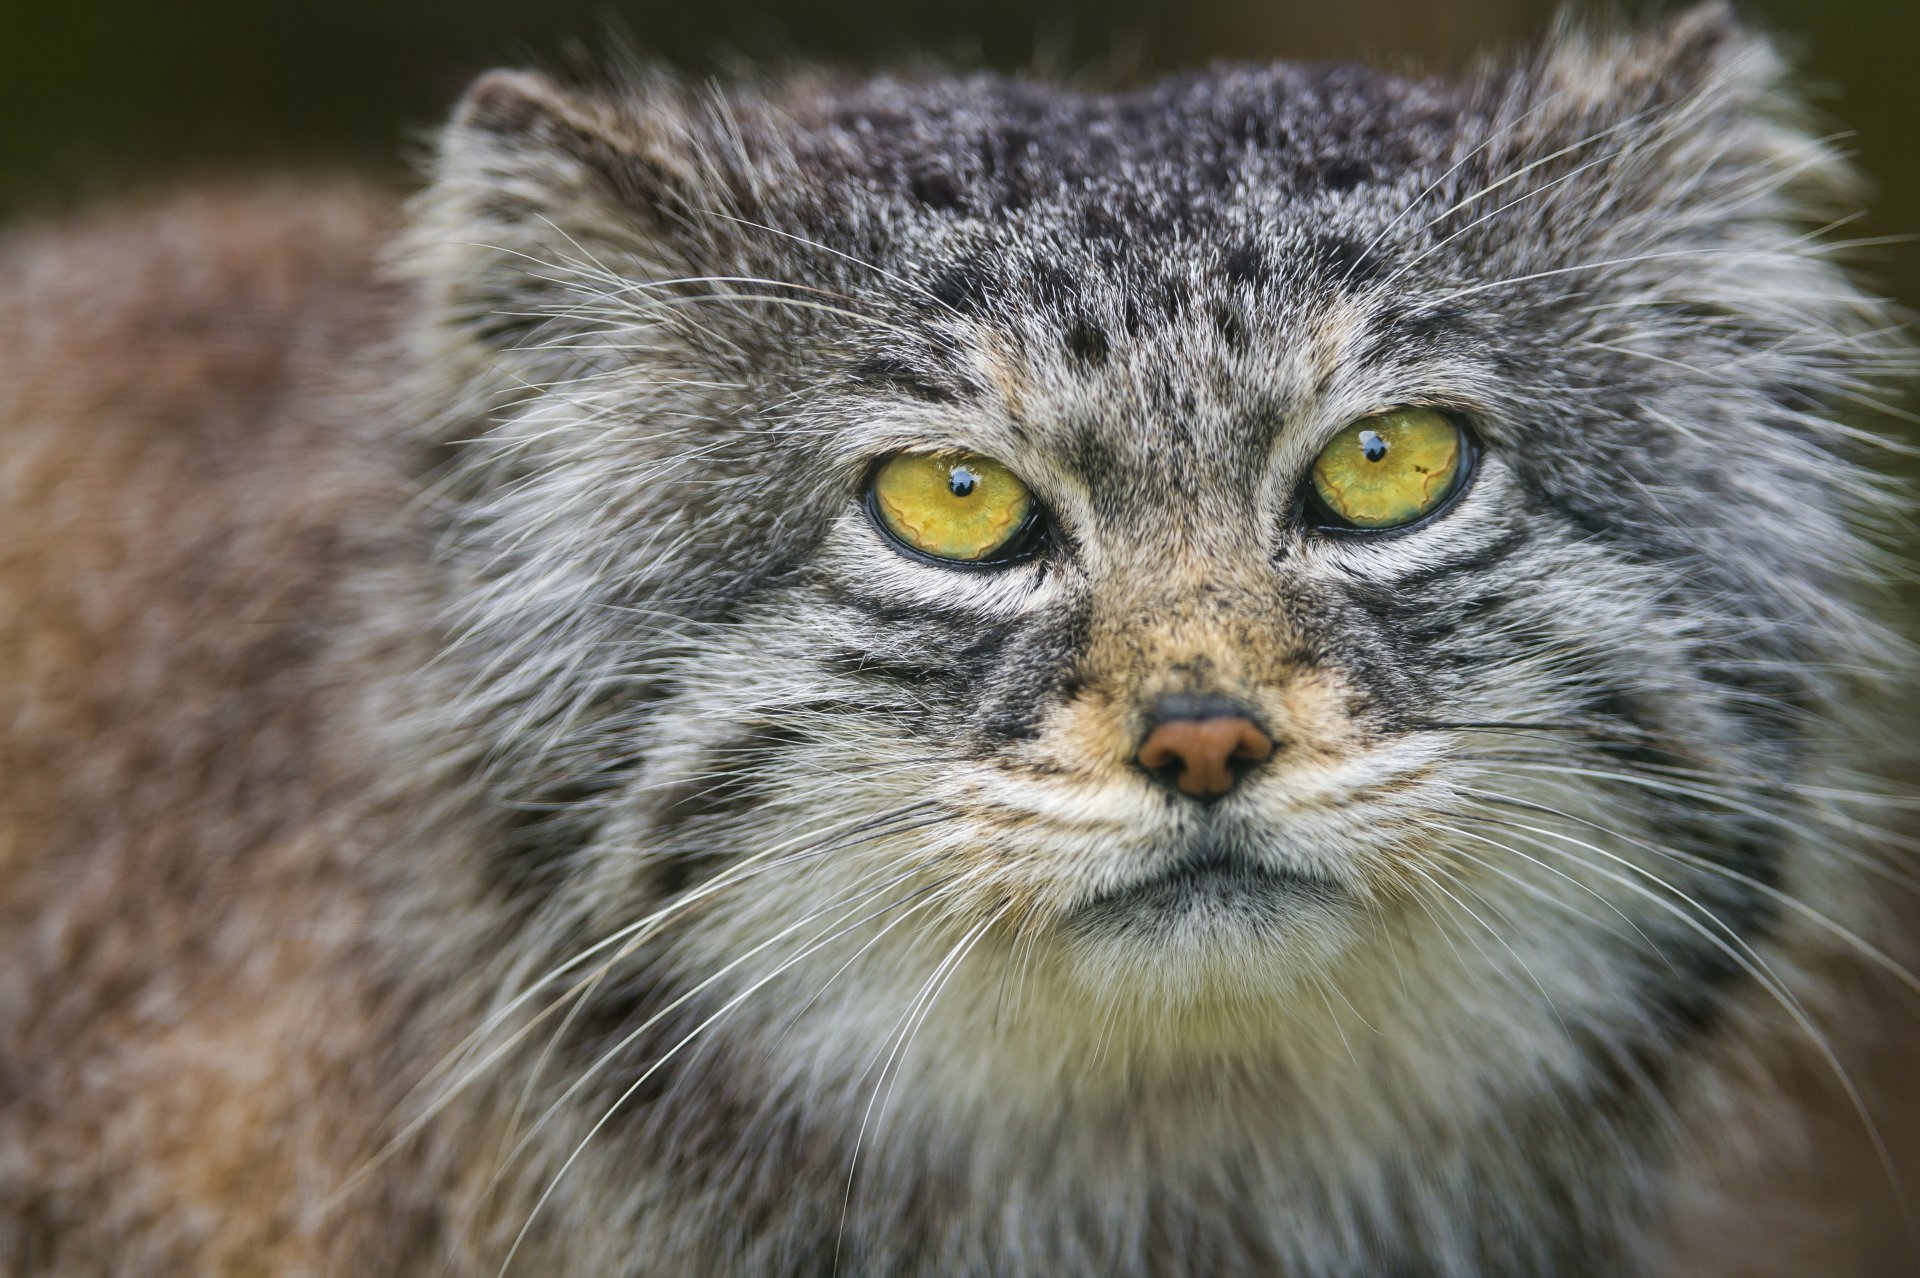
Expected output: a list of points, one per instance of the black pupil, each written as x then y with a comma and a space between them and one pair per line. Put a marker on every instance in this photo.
1372, 445
960, 482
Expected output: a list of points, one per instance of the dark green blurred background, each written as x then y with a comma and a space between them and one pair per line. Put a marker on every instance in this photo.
97, 96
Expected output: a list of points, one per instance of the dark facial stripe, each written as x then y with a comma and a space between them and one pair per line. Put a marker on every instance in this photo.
1481, 559
1034, 669
857, 663
730, 778
1411, 611
542, 833
892, 612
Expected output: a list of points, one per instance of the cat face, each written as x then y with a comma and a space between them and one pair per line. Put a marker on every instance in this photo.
773, 700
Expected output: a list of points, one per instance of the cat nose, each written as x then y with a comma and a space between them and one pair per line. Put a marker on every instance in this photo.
1202, 744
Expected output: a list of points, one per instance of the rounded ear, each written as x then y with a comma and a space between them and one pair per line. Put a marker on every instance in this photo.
518, 132
539, 195
1674, 144
1704, 50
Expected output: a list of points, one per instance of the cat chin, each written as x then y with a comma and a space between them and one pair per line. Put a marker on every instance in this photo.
1201, 895
1238, 941
1206, 921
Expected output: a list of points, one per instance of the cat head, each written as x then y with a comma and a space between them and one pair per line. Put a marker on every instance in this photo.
1272, 530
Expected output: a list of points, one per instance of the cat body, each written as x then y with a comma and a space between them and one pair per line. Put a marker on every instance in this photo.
483, 788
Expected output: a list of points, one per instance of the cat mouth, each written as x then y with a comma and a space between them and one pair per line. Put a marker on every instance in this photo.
1210, 885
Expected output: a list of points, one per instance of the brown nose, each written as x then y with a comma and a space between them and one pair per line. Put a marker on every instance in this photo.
1203, 738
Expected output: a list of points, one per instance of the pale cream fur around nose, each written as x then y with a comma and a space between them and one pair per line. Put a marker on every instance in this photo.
1205, 750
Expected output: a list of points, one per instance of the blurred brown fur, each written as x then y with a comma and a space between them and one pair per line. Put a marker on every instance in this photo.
195, 1044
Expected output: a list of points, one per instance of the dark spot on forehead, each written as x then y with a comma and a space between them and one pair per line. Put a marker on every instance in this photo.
1172, 396
1099, 223
966, 287
1097, 454
1172, 296
1227, 323
1396, 332
1087, 342
1257, 127
1342, 174
1338, 258
1056, 285
1433, 322
1245, 263
1215, 174
937, 189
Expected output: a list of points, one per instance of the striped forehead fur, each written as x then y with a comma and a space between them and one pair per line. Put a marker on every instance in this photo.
1557, 771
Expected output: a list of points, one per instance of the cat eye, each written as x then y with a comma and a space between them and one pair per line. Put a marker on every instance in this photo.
957, 507
1390, 469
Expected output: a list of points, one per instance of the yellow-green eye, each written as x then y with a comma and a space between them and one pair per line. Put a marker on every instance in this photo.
1390, 469
952, 505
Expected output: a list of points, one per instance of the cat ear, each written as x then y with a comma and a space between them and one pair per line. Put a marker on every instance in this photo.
1672, 109
1705, 50
1673, 163
1662, 192
540, 195
532, 149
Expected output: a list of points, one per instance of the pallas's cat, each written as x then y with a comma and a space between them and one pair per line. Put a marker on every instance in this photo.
1268, 674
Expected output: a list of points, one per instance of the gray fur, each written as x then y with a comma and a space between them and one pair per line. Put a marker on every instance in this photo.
1566, 789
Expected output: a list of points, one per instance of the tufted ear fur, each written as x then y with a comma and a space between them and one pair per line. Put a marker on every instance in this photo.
1627, 182
1686, 131
1701, 50
519, 131
540, 194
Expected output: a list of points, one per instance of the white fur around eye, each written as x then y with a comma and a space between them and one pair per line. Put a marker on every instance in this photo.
857, 553
1477, 518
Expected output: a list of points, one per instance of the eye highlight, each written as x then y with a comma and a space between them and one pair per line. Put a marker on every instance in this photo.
1390, 469
959, 507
